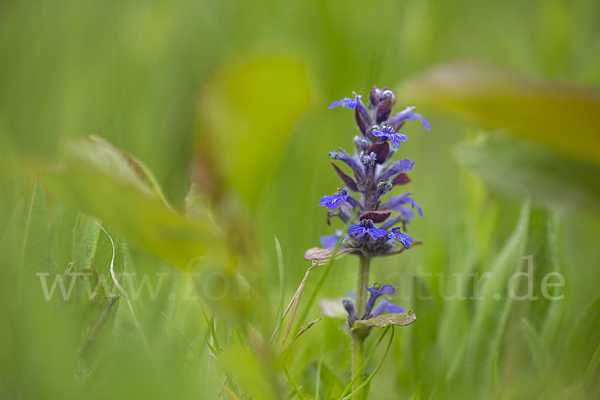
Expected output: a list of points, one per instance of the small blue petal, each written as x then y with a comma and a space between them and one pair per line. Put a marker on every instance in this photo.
354, 229
333, 201
385, 306
376, 292
329, 241
334, 154
378, 232
346, 102
403, 238
395, 309
388, 133
407, 114
349, 306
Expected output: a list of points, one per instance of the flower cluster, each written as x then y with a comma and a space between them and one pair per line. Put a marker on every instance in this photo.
371, 311
373, 176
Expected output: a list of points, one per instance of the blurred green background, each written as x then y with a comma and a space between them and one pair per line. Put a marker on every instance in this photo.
233, 96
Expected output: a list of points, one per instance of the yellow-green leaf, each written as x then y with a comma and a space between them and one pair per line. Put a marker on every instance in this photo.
247, 114
562, 116
100, 181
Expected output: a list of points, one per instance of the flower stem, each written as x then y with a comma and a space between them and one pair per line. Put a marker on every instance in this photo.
359, 334
363, 282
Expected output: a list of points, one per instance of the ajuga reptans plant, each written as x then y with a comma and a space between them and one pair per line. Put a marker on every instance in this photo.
377, 221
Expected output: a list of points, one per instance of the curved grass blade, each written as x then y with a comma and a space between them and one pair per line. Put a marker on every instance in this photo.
372, 375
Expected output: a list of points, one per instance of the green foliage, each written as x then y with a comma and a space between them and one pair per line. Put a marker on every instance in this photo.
102, 181
237, 94
561, 116
520, 168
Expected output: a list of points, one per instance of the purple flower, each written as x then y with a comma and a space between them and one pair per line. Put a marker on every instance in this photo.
385, 306
376, 292
346, 102
388, 133
406, 213
329, 241
398, 167
408, 115
352, 163
396, 202
402, 237
349, 306
366, 227
333, 201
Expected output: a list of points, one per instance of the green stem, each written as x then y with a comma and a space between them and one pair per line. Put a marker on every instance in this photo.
359, 334
363, 282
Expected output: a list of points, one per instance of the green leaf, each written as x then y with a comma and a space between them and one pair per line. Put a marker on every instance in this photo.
236, 113
281, 270
11, 251
420, 348
103, 258
385, 320
493, 310
536, 345
86, 252
101, 181
35, 245
251, 373
581, 357
332, 385
562, 116
62, 238
36, 233
542, 247
521, 168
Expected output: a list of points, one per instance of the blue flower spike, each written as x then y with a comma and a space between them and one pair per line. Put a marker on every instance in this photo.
403, 238
366, 226
373, 171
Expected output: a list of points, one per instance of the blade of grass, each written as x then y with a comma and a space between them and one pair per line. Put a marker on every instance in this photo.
211, 327
292, 382
293, 303
296, 301
181, 333
35, 243
321, 282
281, 276
372, 375
117, 284
535, 343
225, 388
360, 371
318, 379
310, 325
